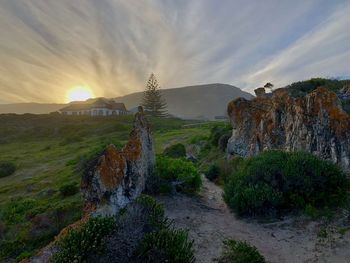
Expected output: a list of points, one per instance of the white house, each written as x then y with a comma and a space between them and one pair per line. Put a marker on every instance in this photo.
95, 107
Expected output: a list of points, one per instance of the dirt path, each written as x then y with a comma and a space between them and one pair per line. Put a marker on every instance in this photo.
290, 241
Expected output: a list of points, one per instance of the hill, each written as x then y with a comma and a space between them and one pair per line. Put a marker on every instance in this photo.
200, 101
35, 108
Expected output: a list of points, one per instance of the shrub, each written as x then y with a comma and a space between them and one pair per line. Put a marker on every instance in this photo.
175, 151
240, 252
154, 210
182, 171
213, 172
69, 189
79, 244
301, 88
166, 245
16, 210
221, 169
276, 181
219, 131
7, 169
145, 234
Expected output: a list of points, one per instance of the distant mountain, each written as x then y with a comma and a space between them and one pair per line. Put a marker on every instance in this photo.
200, 101
35, 108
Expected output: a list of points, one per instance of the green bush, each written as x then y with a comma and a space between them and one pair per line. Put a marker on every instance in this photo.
79, 244
175, 151
213, 172
154, 210
69, 189
298, 89
166, 245
179, 170
218, 131
276, 181
7, 169
240, 252
221, 169
17, 210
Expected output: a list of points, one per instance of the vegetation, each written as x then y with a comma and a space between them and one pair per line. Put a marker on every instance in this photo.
167, 245
175, 151
141, 233
32, 210
164, 243
69, 189
27, 224
213, 172
277, 181
218, 131
240, 252
152, 100
154, 210
300, 88
7, 169
79, 244
181, 171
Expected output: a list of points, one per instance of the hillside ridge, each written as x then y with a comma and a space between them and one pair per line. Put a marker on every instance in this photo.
196, 101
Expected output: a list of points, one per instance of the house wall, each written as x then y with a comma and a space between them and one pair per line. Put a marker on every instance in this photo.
95, 112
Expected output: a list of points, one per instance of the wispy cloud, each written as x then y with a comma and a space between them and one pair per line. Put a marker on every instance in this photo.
48, 46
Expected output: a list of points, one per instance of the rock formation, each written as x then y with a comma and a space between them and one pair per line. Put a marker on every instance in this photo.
315, 123
112, 180
117, 177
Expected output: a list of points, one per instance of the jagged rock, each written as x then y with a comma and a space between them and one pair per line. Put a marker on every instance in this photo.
315, 123
260, 92
113, 180
117, 177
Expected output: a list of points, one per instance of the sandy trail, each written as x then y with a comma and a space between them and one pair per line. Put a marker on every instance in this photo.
290, 241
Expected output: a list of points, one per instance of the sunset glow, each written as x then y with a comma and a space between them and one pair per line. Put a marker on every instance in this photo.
79, 93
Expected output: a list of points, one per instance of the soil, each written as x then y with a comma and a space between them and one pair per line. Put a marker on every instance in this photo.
291, 240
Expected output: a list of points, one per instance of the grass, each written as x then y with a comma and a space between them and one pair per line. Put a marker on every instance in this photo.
240, 252
46, 150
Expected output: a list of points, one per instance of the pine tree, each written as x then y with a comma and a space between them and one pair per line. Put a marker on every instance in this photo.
153, 102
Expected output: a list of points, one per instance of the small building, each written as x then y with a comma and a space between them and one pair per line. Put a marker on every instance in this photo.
95, 107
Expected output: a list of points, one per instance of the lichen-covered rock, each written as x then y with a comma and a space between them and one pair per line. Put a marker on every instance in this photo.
113, 180
117, 177
315, 123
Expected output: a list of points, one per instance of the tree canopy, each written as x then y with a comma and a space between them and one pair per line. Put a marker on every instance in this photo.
153, 102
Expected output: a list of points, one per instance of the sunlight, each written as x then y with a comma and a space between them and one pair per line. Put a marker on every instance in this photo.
79, 93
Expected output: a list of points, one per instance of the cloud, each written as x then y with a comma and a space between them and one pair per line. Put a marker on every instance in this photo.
48, 46
322, 52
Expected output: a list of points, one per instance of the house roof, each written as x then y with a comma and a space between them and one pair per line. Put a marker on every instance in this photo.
95, 103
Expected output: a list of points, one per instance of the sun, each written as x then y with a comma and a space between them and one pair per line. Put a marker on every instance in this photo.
79, 93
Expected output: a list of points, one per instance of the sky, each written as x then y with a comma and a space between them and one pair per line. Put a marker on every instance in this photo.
48, 47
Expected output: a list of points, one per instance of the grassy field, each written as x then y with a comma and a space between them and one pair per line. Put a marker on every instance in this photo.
47, 151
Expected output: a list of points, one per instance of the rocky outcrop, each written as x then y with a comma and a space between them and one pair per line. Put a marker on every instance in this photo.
117, 177
315, 123
112, 180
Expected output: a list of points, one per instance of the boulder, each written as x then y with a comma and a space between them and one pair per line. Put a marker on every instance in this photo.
117, 177
315, 123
